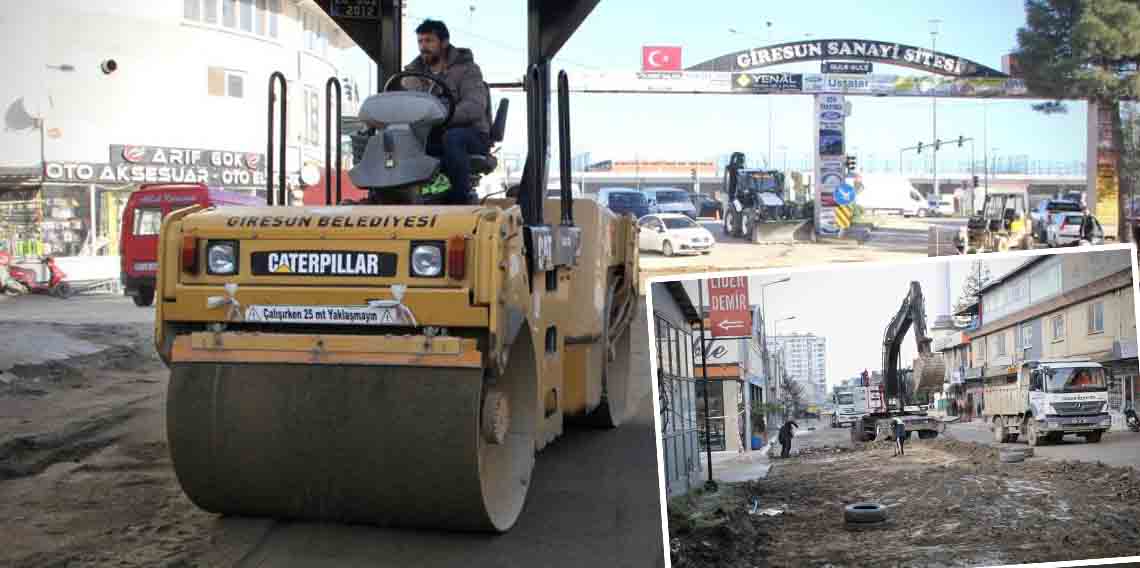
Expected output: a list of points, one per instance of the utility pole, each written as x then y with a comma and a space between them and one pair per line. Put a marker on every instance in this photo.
934, 111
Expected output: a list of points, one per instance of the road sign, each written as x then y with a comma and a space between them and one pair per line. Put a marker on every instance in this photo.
844, 194
846, 67
843, 215
729, 314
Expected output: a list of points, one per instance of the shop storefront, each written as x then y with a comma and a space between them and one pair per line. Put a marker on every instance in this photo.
1122, 382
76, 208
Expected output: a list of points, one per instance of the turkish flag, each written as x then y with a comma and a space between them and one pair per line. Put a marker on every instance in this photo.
660, 58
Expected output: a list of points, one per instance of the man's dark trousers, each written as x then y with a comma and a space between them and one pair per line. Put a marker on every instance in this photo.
457, 146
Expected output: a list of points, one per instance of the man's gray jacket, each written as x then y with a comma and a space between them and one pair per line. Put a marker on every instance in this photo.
463, 76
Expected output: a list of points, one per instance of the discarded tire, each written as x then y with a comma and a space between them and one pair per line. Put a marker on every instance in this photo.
864, 513
1011, 457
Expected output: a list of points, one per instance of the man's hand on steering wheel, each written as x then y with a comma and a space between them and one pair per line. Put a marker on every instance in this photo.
401, 82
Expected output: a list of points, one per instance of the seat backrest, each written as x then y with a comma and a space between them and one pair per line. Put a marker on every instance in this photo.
499, 125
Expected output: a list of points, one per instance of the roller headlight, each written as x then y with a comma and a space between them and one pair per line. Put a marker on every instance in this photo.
427, 260
221, 257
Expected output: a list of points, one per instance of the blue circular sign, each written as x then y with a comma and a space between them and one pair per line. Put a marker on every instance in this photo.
844, 194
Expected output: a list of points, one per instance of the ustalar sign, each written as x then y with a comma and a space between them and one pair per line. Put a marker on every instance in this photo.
829, 115
162, 164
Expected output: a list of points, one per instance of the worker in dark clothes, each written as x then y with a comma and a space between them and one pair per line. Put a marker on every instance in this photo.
786, 437
900, 436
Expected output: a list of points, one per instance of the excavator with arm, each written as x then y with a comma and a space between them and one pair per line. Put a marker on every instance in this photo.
898, 387
391, 361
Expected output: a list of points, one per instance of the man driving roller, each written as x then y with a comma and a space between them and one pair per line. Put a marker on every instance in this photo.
470, 128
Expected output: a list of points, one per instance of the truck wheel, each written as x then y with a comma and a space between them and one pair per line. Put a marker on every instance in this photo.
1093, 437
1032, 436
864, 513
998, 428
144, 297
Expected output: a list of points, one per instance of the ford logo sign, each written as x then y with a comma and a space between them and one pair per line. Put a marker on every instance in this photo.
830, 115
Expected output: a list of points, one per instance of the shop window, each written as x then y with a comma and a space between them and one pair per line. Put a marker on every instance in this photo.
147, 222
1058, 328
1000, 339
1096, 317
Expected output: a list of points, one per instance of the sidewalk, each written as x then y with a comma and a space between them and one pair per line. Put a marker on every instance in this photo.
735, 467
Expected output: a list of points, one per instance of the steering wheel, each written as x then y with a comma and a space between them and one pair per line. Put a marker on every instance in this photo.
397, 80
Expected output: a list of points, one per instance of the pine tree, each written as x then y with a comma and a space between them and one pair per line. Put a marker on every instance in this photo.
977, 279
1082, 49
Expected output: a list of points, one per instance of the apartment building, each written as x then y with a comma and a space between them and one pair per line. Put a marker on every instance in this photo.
1058, 306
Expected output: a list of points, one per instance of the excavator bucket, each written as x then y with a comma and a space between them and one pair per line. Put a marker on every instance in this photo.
929, 374
783, 231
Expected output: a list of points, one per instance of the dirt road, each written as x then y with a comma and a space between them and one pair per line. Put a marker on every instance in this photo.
949, 503
86, 480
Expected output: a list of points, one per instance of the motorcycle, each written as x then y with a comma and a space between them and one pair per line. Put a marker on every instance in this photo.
1131, 420
54, 285
9, 285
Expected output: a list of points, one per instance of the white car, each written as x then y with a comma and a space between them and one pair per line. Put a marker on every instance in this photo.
1064, 229
673, 233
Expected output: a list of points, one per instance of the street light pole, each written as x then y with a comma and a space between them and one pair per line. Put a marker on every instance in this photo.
710, 485
934, 111
768, 97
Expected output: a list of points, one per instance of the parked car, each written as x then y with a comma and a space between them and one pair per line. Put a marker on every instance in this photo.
673, 233
1064, 229
142, 218
670, 200
624, 200
1043, 215
706, 205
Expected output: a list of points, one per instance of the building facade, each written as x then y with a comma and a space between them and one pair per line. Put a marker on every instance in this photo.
673, 315
1062, 306
116, 94
806, 358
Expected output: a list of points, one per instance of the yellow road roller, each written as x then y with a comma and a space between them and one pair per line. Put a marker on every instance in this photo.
395, 362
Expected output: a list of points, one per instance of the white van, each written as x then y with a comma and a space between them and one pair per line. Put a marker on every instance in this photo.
883, 192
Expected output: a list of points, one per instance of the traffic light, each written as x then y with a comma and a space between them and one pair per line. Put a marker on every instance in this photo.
920, 147
693, 174
961, 139
850, 163
937, 145
975, 181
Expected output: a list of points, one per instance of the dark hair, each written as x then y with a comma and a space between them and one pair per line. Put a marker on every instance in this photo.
434, 27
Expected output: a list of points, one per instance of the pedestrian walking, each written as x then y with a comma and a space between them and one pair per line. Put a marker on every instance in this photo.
786, 437
900, 436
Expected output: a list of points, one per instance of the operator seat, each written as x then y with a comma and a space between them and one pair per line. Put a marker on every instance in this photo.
486, 163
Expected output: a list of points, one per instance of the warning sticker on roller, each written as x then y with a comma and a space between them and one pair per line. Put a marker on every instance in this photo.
337, 315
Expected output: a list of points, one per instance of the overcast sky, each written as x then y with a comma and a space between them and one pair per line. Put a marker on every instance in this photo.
851, 304
704, 126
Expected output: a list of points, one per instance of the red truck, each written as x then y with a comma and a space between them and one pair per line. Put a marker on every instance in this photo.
142, 218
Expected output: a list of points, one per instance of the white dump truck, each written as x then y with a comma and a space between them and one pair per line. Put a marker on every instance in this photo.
1048, 399
845, 410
